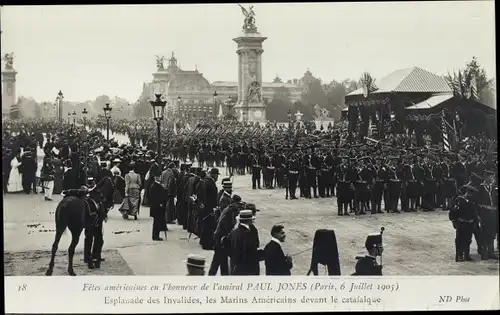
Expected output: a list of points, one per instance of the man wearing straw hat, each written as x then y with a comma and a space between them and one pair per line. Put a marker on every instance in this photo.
195, 265
245, 253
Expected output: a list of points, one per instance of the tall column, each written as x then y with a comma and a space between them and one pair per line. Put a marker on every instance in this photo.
250, 103
9, 100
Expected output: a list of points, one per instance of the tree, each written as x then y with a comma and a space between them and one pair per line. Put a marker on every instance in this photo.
312, 94
277, 110
143, 108
38, 111
367, 81
462, 81
99, 104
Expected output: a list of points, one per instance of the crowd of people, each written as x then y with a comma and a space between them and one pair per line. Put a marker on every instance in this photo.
364, 176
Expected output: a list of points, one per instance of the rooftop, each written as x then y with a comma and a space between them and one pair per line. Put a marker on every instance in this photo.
409, 80
264, 84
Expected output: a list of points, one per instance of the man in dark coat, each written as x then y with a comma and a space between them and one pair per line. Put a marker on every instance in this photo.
245, 253
157, 206
208, 223
28, 167
277, 263
225, 225
169, 183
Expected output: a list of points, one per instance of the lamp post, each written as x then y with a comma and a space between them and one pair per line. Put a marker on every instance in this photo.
69, 118
74, 118
230, 104
59, 100
289, 115
84, 115
216, 98
158, 113
107, 114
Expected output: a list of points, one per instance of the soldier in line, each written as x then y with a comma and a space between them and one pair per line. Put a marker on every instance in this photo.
463, 216
378, 188
256, 170
292, 176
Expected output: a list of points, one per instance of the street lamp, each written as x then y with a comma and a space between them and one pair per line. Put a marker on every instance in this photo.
158, 113
230, 104
59, 100
107, 114
84, 115
69, 117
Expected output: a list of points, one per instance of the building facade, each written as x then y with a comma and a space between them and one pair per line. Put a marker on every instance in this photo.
197, 93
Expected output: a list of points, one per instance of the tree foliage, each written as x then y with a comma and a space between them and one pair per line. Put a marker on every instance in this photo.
99, 104
461, 82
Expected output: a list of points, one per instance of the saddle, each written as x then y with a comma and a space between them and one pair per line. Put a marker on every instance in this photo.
79, 193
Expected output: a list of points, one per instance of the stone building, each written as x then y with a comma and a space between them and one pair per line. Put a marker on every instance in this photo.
196, 92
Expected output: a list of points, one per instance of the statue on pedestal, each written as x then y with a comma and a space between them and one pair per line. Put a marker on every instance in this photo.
9, 60
254, 95
321, 113
159, 62
249, 23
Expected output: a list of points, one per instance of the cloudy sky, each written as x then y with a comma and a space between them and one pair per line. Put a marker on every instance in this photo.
87, 51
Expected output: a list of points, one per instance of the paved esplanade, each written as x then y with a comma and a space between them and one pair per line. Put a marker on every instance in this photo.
417, 243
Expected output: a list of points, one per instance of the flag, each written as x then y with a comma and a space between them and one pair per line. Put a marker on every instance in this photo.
444, 129
473, 89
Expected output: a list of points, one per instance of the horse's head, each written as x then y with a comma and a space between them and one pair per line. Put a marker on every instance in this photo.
105, 188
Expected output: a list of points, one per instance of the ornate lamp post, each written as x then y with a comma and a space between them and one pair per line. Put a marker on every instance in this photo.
69, 118
84, 115
230, 104
59, 101
158, 113
216, 98
74, 118
107, 114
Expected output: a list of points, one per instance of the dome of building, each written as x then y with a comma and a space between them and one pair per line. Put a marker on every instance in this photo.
187, 81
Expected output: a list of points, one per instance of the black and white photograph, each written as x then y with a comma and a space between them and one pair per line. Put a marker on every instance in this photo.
250, 139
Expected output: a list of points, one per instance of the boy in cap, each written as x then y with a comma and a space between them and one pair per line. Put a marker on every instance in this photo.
195, 265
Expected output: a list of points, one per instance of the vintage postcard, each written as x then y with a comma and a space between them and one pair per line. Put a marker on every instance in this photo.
349, 148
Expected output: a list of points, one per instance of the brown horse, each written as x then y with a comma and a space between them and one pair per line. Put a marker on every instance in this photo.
73, 212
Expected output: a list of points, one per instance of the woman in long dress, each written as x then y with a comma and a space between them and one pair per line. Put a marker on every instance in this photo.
15, 184
132, 201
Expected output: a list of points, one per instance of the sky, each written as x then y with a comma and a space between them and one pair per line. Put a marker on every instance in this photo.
87, 51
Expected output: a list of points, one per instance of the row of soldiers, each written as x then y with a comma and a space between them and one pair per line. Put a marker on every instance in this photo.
361, 183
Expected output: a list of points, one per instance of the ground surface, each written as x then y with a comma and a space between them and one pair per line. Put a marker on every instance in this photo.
416, 243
